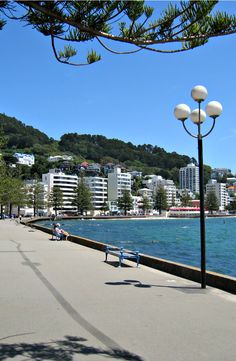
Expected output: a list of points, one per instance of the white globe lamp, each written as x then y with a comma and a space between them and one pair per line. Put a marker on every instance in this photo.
199, 93
195, 116
182, 112
214, 109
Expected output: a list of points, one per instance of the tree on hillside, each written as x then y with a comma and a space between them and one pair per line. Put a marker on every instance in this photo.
160, 200
212, 203
137, 184
207, 173
82, 198
181, 25
125, 202
36, 197
55, 199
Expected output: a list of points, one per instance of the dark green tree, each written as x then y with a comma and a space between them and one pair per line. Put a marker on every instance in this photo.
160, 200
182, 25
125, 202
82, 198
104, 208
146, 204
55, 199
36, 197
185, 199
207, 173
137, 184
232, 205
212, 203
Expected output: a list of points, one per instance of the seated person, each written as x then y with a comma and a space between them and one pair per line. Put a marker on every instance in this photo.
56, 231
59, 233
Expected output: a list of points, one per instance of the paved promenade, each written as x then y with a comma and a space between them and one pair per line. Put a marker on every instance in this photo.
59, 301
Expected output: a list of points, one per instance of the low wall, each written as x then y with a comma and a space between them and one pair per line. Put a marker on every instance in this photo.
213, 279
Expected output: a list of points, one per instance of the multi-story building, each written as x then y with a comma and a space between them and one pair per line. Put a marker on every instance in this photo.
220, 191
25, 159
155, 182
146, 192
189, 178
117, 183
220, 173
66, 183
98, 189
93, 169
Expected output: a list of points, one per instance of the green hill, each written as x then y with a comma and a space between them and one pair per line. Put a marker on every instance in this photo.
97, 148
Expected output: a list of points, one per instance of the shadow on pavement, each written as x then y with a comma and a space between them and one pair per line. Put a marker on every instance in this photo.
59, 350
116, 264
138, 284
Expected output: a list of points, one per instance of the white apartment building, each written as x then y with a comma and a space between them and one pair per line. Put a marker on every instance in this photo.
154, 182
146, 192
219, 172
56, 158
136, 205
117, 183
98, 189
220, 191
25, 159
189, 178
66, 183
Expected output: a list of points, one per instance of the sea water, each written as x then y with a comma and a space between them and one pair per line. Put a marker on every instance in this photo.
172, 239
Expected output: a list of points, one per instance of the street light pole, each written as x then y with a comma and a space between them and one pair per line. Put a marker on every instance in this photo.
202, 206
182, 112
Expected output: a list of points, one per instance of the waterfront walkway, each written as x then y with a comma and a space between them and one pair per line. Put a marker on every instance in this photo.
59, 301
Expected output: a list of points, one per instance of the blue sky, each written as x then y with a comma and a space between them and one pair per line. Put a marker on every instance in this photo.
129, 97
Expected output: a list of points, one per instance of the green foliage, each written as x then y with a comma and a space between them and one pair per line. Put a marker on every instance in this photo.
160, 200
12, 192
125, 202
147, 158
137, 184
55, 199
19, 135
82, 199
93, 57
182, 25
142, 157
207, 173
232, 205
104, 207
35, 197
185, 199
146, 205
212, 203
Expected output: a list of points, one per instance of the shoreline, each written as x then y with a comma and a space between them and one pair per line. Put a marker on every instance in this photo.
114, 218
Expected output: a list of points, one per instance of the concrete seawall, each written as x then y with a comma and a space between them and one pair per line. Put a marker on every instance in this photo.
217, 280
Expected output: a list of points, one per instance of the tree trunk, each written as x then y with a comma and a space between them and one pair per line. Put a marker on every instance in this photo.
10, 210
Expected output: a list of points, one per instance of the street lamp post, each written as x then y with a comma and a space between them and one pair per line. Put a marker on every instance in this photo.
182, 112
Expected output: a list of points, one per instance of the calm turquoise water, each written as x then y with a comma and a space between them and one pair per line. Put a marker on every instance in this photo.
176, 240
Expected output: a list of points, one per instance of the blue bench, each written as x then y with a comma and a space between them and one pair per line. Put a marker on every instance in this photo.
122, 254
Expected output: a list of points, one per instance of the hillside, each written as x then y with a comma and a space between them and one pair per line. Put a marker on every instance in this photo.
97, 148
